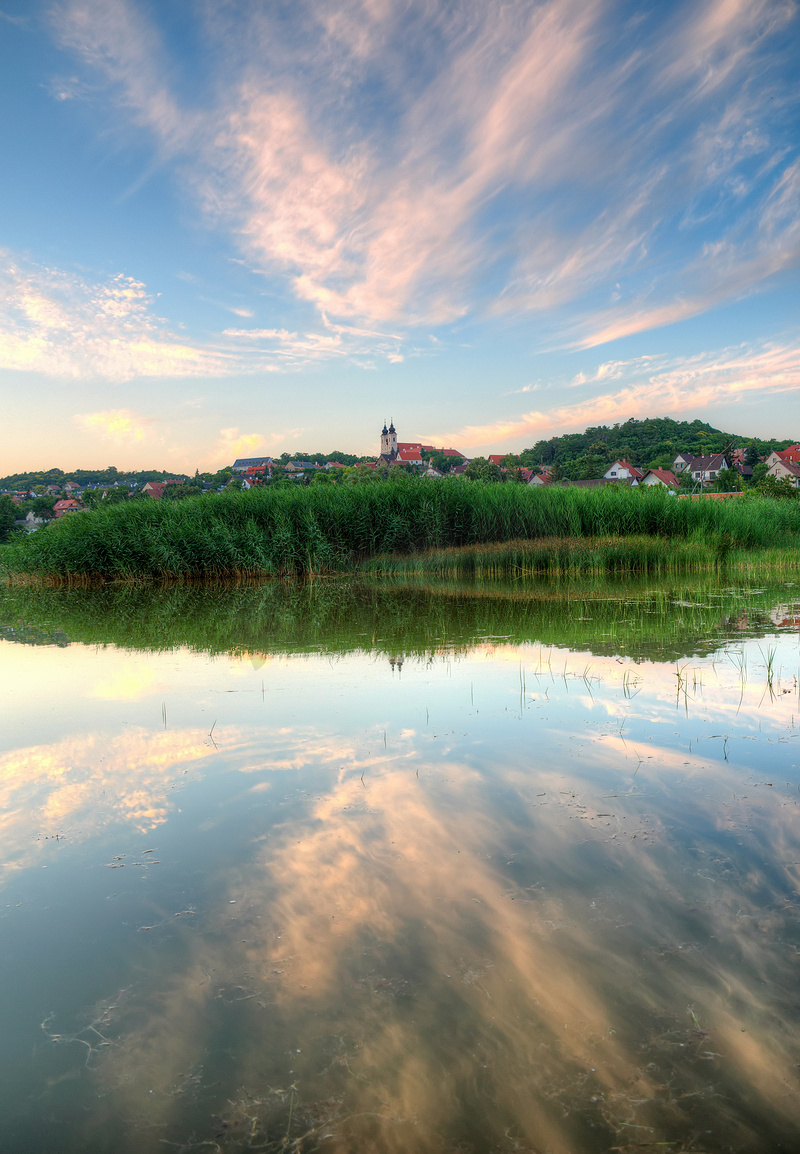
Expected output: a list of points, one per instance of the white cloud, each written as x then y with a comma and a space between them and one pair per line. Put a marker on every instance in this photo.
538, 150
233, 443
57, 323
654, 386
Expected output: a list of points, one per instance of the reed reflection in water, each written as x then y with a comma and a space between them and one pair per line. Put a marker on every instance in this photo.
510, 898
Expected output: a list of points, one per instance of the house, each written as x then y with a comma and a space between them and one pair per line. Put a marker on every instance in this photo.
431, 472
622, 471
242, 464
301, 466
660, 477
682, 463
783, 469
791, 454
408, 457
68, 505
33, 521
154, 489
71, 487
705, 469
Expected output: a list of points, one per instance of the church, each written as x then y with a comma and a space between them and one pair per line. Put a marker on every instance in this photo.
388, 453
394, 452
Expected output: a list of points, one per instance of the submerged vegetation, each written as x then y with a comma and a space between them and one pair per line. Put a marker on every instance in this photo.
329, 529
666, 619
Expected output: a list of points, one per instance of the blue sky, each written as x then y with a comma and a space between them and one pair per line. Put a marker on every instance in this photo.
231, 228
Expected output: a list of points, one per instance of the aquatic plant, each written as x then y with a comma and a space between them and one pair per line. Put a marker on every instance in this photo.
336, 528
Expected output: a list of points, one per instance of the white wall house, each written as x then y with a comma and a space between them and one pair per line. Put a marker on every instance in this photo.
708, 468
783, 469
622, 471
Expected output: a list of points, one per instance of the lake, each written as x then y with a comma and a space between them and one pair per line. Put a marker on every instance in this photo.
384, 867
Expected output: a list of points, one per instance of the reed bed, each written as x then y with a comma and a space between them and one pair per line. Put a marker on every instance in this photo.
551, 555
330, 529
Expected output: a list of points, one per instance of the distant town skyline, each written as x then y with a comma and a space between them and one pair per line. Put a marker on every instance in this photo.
237, 229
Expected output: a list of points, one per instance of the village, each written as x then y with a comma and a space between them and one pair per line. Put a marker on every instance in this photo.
727, 474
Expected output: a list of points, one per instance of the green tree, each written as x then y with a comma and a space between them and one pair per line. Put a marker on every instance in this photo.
180, 492
440, 461
783, 489
8, 515
480, 469
727, 481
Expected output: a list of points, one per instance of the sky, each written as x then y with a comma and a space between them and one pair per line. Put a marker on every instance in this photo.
240, 227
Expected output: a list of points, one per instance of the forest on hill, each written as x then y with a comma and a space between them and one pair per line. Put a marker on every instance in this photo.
652, 443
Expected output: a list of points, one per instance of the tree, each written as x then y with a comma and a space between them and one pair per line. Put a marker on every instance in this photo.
8, 515
772, 487
440, 461
727, 481
179, 492
480, 469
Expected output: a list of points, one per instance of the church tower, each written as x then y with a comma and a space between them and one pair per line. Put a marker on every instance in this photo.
388, 442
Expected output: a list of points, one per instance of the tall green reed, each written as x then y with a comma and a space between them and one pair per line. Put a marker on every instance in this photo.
334, 528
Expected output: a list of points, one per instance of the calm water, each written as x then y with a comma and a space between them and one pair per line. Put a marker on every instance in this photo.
384, 869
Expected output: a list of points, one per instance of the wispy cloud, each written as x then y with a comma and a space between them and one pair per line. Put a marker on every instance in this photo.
17, 21
537, 153
649, 386
66, 326
122, 426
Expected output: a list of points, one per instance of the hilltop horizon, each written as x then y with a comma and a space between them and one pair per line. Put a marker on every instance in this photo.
653, 437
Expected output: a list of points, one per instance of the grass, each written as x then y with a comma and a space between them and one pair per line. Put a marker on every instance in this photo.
339, 528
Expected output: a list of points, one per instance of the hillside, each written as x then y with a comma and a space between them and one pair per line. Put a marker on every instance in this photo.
653, 443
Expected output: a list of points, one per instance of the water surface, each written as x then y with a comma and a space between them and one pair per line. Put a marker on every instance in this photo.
385, 868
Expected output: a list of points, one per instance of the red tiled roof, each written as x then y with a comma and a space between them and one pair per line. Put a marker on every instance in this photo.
665, 475
634, 472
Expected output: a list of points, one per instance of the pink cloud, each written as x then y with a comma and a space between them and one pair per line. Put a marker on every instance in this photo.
525, 101
677, 386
